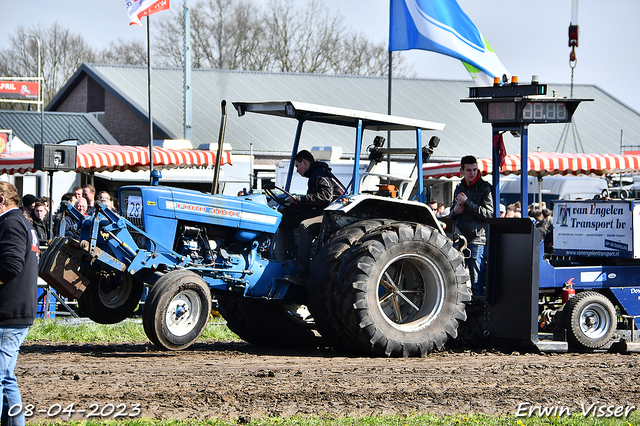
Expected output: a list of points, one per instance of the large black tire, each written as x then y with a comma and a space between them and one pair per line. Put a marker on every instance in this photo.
322, 283
111, 298
270, 324
177, 310
402, 290
590, 320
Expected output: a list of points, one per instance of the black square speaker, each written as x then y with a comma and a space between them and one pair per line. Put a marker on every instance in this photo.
51, 157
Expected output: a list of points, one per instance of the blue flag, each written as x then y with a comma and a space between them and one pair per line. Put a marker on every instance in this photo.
441, 26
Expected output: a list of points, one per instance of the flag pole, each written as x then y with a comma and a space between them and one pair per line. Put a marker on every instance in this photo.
149, 85
389, 112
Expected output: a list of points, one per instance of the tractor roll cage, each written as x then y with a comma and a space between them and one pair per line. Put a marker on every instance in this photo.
360, 120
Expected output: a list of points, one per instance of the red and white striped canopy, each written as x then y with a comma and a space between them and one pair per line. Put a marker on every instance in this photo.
100, 158
546, 163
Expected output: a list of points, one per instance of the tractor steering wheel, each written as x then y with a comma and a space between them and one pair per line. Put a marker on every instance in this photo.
278, 199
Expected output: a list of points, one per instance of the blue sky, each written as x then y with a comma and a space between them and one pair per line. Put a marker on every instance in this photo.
530, 37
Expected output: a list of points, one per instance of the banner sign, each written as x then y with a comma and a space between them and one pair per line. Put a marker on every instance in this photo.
22, 90
4, 142
593, 228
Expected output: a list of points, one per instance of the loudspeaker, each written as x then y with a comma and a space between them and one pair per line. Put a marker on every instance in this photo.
51, 157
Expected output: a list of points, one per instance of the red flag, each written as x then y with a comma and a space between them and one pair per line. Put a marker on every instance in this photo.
138, 9
498, 142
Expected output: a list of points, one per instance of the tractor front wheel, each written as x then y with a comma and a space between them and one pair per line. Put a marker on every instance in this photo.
177, 310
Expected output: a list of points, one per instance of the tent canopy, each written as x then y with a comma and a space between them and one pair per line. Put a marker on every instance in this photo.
546, 163
98, 158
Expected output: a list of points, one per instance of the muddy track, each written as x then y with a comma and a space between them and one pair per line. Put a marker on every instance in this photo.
239, 381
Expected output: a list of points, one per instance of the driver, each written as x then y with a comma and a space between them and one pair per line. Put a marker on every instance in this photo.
305, 213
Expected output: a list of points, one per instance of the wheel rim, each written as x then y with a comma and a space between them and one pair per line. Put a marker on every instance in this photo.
411, 292
114, 290
594, 321
183, 312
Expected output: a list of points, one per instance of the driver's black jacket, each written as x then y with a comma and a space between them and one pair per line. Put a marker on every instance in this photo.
322, 189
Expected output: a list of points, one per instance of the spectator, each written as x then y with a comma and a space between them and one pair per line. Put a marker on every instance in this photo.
89, 192
105, 198
70, 197
77, 191
472, 206
47, 203
71, 230
440, 212
28, 203
510, 211
535, 216
40, 223
18, 296
544, 222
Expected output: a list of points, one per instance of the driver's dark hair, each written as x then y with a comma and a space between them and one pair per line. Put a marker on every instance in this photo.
468, 159
304, 155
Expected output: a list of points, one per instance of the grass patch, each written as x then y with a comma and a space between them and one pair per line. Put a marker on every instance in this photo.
414, 420
123, 332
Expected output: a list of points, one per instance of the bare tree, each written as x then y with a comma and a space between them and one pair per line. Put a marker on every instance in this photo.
230, 34
225, 34
124, 52
62, 53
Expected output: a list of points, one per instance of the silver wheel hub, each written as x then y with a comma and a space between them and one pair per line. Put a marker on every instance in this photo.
594, 321
183, 312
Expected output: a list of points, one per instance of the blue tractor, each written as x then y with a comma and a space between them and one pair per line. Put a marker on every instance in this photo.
386, 279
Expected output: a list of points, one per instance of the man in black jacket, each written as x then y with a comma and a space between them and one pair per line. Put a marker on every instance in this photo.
472, 206
19, 255
40, 222
305, 212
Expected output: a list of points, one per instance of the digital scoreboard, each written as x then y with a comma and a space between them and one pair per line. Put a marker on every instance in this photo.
526, 112
515, 104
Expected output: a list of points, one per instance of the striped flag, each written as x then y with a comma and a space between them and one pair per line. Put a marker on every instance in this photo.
441, 26
138, 9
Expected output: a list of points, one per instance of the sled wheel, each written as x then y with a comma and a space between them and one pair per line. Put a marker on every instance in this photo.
270, 324
177, 310
403, 288
112, 298
590, 320
322, 283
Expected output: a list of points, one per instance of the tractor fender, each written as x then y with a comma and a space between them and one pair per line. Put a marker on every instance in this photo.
365, 206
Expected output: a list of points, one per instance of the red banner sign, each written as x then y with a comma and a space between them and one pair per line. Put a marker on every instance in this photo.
13, 89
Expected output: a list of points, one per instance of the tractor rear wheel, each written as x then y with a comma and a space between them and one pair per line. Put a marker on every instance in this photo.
177, 310
322, 282
111, 299
590, 320
270, 324
402, 290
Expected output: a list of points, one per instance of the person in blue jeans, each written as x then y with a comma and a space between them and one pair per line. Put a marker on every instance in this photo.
19, 254
472, 206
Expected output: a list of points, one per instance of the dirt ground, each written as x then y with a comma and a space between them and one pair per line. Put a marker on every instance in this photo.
237, 381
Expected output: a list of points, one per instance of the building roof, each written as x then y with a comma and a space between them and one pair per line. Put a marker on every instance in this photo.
58, 126
598, 126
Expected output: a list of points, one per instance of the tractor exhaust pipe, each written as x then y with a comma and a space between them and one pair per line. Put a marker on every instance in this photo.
223, 125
